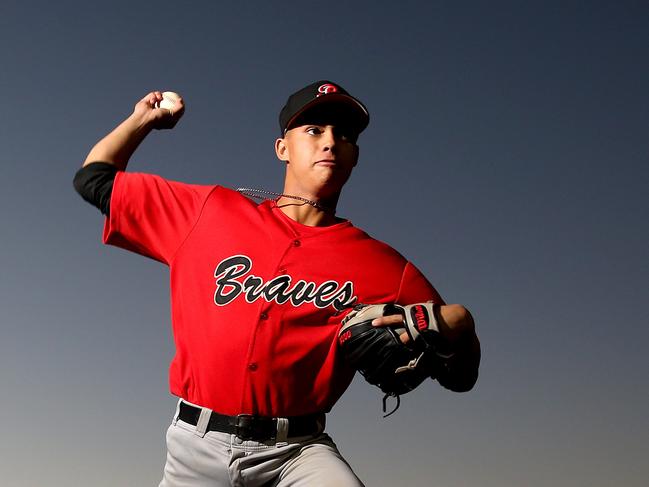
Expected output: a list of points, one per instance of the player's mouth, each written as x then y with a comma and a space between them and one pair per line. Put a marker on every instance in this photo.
326, 162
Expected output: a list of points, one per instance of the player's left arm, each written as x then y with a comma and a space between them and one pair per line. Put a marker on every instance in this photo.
457, 328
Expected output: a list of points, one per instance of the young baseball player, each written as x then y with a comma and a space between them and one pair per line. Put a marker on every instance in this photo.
258, 292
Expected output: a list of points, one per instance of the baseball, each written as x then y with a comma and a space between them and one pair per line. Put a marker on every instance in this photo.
169, 100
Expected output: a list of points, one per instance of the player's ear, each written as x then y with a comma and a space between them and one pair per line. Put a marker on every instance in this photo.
357, 152
281, 149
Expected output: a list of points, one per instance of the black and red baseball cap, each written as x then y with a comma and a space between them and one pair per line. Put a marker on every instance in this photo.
327, 99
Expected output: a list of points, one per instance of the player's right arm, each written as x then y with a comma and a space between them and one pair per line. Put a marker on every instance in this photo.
145, 213
118, 146
94, 181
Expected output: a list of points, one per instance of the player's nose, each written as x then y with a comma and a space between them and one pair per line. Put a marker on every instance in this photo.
328, 138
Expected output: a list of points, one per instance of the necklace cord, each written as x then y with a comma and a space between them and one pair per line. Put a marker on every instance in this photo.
262, 194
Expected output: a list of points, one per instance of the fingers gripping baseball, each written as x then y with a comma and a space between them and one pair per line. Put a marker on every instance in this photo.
162, 109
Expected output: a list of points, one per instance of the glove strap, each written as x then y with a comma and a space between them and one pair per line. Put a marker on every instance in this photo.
421, 318
422, 326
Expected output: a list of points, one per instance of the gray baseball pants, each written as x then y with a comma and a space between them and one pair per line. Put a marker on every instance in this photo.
196, 458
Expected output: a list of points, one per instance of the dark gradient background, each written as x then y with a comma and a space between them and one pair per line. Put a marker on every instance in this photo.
506, 157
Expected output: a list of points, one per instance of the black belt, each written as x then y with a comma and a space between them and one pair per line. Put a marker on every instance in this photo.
250, 427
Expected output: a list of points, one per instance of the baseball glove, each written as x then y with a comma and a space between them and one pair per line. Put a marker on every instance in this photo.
378, 353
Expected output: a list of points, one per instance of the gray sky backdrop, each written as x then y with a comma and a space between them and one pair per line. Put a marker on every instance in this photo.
506, 157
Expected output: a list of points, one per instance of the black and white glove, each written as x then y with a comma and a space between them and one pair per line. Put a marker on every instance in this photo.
380, 355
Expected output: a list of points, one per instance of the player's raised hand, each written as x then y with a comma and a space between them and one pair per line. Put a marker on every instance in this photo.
156, 110
161, 110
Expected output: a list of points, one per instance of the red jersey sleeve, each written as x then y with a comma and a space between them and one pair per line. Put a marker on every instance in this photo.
151, 215
415, 288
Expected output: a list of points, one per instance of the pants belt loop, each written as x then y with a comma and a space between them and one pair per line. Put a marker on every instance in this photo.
203, 421
177, 413
282, 432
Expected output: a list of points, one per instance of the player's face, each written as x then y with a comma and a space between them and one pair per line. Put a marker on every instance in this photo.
320, 158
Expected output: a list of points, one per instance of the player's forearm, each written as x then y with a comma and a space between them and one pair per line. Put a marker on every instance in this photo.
457, 326
120, 144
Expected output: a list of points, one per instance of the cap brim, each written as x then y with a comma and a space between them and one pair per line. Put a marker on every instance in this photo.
362, 115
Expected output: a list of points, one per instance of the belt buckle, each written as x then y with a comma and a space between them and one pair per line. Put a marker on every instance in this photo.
243, 426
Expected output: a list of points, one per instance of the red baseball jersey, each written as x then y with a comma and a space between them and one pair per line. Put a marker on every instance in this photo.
256, 297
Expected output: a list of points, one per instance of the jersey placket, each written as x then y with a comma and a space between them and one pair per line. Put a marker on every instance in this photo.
258, 361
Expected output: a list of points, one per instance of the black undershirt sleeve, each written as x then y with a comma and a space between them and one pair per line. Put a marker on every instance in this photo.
94, 183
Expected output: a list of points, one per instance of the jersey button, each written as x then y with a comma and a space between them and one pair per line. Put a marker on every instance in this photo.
296, 243
253, 366
263, 316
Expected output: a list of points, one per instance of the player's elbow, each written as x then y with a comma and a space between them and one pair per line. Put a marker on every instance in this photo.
462, 372
459, 384
456, 323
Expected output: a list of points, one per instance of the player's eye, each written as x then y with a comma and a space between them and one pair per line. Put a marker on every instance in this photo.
313, 130
346, 135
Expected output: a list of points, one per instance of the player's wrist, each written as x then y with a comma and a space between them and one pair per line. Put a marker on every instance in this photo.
141, 122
